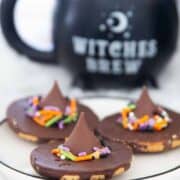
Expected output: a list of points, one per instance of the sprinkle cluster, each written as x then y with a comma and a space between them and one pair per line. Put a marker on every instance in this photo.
64, 153
50, 115
128, 120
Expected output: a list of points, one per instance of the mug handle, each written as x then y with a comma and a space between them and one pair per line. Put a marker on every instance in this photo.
15, 41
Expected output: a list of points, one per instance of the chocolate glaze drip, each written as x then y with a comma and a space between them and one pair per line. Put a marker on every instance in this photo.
82, 139
145, 105
55, 98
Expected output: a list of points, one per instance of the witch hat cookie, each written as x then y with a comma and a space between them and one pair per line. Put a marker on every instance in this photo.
81, 156
144, 125
39, 118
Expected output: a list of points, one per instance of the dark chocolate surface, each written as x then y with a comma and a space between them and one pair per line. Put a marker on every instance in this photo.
109, 128
47, 164
16, 112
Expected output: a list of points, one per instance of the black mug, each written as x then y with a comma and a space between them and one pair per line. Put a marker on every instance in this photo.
119, 41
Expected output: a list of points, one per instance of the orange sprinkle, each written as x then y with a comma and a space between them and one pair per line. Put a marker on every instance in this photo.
55, 151
135, 125
157, 118
73, 106
40, 120
160, 125
35, 101
143, 119
44, 116
125, 112
50, 112
157, 127
84, 158
47, 116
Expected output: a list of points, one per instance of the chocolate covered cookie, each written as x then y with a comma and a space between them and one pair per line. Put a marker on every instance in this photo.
81, 156
145, 126
40, 118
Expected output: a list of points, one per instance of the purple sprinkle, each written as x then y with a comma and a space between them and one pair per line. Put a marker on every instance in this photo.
103, 150
143, 127
51, 108
151, 122
61, 125
38, 108
30, 104
132, 119
35, 108
95, 148
67, 110
106, 150
64, 148
82, 154
30, 101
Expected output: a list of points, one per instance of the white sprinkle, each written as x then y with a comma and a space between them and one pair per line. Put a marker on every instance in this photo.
130, 127
63, 157
131, 114
174, 136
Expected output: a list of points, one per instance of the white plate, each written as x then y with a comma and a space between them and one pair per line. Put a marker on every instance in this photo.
16, 152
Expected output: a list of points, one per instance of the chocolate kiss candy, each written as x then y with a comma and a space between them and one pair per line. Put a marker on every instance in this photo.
145, 105
54, 98
82, 139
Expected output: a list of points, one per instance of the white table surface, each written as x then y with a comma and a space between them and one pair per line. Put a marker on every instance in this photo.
19, 76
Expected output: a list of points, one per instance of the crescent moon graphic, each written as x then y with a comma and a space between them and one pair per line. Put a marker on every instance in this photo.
122, 22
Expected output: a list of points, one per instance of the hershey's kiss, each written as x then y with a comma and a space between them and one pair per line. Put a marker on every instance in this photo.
145, 105
54, 98
82, 139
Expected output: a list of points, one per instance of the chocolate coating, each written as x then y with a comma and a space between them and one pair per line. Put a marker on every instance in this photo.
47, 164
20, 123
138, 140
